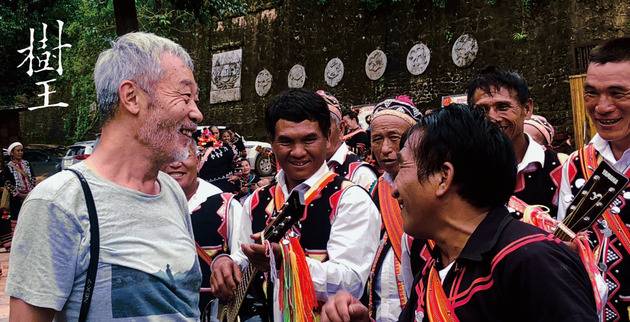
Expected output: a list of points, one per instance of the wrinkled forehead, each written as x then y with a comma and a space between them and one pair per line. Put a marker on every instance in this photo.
175, 71
608, 75
494, 94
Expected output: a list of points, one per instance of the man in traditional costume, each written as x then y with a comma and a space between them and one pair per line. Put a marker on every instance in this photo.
457, 171
504, 96
386, 289
341, 160
607, 101
338, 231
216, 218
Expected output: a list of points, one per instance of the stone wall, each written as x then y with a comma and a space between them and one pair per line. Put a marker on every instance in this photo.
309, 34
278, 34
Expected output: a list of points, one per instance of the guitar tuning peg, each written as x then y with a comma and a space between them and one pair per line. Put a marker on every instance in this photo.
615, 210
568, 198
626, 195
579, 183
596, 177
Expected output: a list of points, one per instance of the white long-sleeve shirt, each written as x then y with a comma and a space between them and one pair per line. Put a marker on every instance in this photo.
388, 305
363, 176
353, 240
603, 147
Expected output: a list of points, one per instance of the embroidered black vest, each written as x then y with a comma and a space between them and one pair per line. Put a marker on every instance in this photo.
350, 165
617, 260
314, 227
539, 186
206, 222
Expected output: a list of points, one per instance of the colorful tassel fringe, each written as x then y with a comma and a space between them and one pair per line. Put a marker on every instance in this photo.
296, 296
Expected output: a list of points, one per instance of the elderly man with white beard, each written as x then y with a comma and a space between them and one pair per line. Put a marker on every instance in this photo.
146, 266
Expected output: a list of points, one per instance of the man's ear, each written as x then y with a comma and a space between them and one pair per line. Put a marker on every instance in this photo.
129, 96
444, 179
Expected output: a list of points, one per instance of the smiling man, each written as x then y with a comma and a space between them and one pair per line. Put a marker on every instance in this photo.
147, 267
504, 97
216, 218
339, 230
485, 265
607, 102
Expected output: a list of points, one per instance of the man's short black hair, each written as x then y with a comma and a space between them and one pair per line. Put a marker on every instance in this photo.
351, 114
297, 105
612, 51
495, 77
482, 156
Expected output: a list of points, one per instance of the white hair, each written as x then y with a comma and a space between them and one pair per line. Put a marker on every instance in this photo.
133, 56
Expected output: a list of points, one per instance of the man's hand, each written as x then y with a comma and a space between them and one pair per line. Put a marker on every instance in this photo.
256, 253
342, 307
226, 275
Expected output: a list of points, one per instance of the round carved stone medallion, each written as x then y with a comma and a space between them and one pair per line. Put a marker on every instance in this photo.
334, 72
263, 82
297, 76
464, 50
375, 64
418, 59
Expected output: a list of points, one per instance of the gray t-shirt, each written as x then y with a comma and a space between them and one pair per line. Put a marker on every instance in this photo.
148, 269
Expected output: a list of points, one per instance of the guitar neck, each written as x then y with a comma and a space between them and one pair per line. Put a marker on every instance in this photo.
241, 291
563, 233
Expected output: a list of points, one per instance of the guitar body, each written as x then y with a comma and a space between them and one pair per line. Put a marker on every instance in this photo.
222, 313
280, 224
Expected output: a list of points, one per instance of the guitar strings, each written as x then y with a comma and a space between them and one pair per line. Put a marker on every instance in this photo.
591, 209
568, 221
571, 224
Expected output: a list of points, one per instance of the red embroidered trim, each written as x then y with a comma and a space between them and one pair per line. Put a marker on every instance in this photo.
483, 283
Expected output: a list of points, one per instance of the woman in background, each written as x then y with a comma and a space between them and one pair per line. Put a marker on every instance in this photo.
18, 178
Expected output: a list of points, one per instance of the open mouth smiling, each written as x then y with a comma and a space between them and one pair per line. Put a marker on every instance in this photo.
388, 161
186, 132
299, 163
608, 121
176, 174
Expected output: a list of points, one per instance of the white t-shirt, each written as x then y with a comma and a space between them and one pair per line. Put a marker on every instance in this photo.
148, 268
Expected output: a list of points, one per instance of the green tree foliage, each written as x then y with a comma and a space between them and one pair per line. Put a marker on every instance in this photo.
89, 28
89, 31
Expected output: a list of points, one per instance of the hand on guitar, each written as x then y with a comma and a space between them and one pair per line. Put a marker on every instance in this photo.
226, 275
257, 253
342, 307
